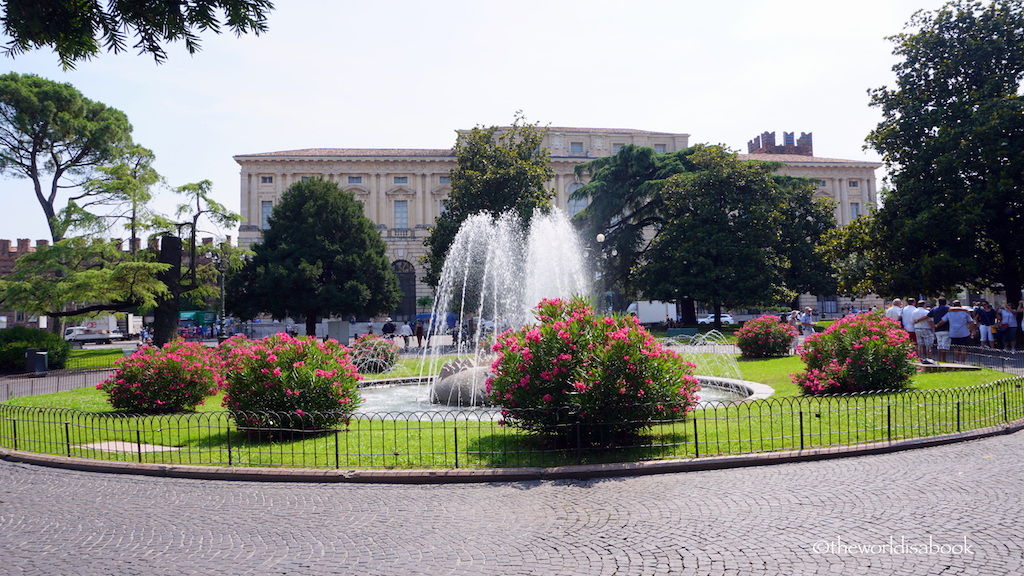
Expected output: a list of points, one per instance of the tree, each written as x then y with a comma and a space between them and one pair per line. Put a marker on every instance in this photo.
124, 189
625, 206
56, 137
320, 256
80, 30
732, 233
497, 170
952, 135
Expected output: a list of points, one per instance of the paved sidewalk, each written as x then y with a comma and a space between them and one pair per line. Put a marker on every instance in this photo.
953, 509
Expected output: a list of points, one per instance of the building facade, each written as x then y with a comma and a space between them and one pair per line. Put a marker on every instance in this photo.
404, 190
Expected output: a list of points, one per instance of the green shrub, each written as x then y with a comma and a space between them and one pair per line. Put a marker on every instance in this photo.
16, 340
153, 380
765, 337
603, 377
374, 355
283, 382
860, 353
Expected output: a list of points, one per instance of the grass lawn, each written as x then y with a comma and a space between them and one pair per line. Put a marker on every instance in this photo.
445, 440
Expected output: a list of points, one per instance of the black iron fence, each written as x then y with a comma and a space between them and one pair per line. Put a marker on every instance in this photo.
483, 439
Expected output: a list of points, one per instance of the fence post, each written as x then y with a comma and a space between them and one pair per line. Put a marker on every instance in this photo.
456, 429
696, 442
14, 431
958, 403
801, 429
1006, 413
888, 421
336, 462
67, 437
228, 430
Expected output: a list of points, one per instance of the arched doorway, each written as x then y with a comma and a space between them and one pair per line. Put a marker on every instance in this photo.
406, 273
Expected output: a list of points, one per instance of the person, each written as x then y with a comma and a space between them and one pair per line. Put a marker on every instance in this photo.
941, 330
895, 312
369, 328
1008, 320
419, 333
405, 332
907, 315
388, 331
924, 329
985, 318
961, 325
794, 321
807, 322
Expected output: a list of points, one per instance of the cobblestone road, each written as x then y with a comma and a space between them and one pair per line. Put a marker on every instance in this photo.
950, 510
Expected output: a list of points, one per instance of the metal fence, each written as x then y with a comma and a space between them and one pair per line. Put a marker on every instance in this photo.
481, 439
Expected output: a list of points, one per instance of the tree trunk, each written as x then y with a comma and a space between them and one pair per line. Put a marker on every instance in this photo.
687, 311
165, 315
718, 316
311, 324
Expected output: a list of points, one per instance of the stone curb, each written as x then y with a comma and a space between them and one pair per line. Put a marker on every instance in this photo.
441, 476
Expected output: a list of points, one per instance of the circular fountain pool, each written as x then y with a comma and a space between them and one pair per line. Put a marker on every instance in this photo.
405, 400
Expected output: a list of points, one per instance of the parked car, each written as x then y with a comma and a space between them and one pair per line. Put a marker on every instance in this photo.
710, 319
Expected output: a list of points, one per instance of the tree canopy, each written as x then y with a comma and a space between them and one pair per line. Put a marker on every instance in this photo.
320, 257
734, 233
952, 135
80, 30
57, 138
497, 170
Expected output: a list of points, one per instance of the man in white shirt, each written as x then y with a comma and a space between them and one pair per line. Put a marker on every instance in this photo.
895, 312
924, 330
908, 319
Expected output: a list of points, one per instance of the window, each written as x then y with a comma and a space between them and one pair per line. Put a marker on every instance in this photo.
442, 206
659, 148
266, 207
446, 180
576, 206
355, 179
306, 178
616, 147
401, 179
854, 210
401, 213
822, 184
266, 179
576, 148
854, 184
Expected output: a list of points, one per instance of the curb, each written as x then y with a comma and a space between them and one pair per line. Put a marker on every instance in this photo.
467, 475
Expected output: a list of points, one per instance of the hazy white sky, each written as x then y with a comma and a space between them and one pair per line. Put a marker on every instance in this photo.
407, 74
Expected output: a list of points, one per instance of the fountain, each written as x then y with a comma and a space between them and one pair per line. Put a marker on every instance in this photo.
495, 273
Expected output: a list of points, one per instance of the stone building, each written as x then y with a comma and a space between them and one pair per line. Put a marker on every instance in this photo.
404, 190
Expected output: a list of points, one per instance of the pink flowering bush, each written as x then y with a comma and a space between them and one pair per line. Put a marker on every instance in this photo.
153, 380
861, 353
283, 382
765, 337
575, 371
373, 354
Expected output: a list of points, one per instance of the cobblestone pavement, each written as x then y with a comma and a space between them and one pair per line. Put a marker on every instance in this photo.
948, 510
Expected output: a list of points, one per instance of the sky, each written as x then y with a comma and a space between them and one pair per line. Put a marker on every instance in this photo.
408, 74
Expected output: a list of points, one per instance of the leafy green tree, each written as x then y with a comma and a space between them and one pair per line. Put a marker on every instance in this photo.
952, 135
123, 191
320, 256
497, 170
54, 136
80, 276
625, 206
80, 30
729, 233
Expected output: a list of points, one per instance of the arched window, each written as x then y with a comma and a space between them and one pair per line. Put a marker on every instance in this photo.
576, 206
406, 273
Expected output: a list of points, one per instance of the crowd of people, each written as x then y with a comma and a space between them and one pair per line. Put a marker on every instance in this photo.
937, 328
